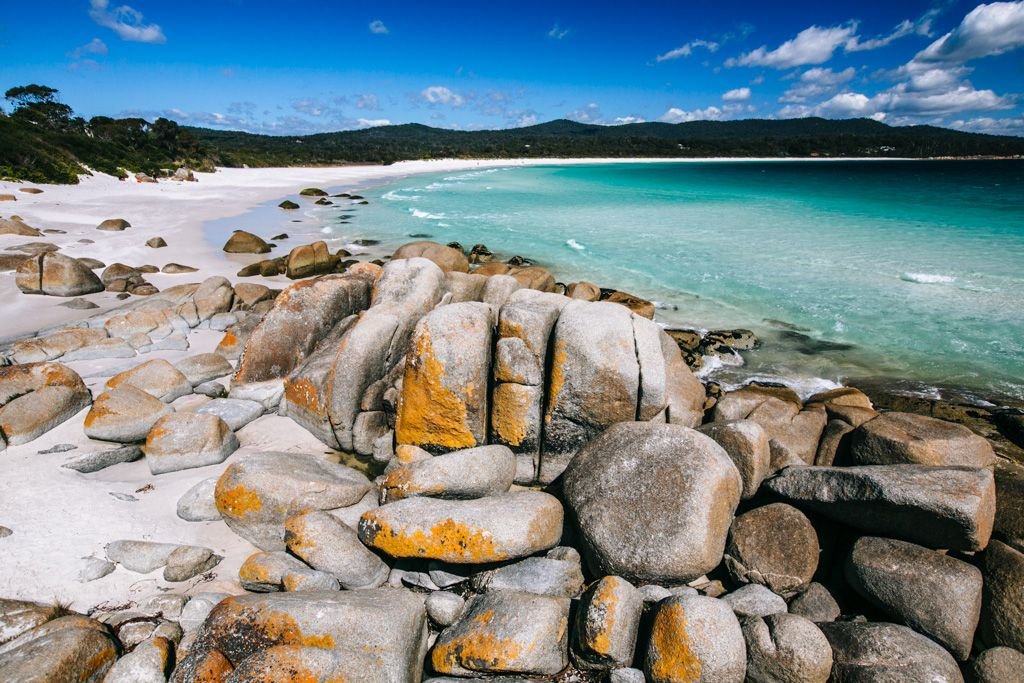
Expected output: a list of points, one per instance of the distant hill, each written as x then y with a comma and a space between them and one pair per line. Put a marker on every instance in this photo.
563, 138
42, 140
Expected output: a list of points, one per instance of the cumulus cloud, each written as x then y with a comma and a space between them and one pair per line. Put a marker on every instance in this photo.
905, 100
817, 44
817, 82
814, 45
623, 120
438, 94
93, 47
737, 95
126, 22
525, 119
557, 32
677, 115
377, 26
987, 30
990, 125
687, 49
372, 123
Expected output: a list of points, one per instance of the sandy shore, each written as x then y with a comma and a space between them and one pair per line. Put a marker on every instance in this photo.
177, 212
59, 516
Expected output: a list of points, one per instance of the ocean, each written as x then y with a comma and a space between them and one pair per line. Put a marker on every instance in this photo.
844, 269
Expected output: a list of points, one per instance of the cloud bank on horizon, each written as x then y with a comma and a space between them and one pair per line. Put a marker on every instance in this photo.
249, 65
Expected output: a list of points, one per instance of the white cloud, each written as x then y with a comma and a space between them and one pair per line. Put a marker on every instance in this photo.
992, 126
677, 115
687, 49
438, 94
557, 32
368, 101
126, 22
903, 100
987, 30
371, 123
525, 120
590, 113
814, 45
93, 47
817, 44
622, 120
377, 26
817, 82
921, 27
737, 95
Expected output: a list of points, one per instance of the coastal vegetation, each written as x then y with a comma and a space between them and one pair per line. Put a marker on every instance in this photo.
43, 140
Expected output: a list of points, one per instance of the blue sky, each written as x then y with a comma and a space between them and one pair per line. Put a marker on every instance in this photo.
295, 66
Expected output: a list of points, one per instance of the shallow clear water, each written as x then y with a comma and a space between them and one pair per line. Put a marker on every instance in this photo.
919, 266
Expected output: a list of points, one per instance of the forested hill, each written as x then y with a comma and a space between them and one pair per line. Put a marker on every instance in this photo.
41, 140
562, 138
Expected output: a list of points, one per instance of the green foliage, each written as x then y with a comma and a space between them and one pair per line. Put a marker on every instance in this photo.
42, 141
562, 138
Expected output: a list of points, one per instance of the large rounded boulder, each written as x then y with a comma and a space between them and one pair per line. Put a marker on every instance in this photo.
653, 501
57, 275
447, 258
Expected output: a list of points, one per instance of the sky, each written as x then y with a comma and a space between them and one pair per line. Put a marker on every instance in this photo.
292, 67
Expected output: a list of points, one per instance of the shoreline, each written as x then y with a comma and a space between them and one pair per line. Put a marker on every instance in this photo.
80, 512
185, 212
227, 193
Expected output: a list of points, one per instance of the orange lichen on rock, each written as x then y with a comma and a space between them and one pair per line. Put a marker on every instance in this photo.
512, 403
228, 341
605, 603
446, 540
429, 413
670, 659
254, 571
557, 379
303, 393
480, 651
237, 500
281, 628
507, 328
213, 667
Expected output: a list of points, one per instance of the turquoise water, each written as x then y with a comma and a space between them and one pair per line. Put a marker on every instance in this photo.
903, 269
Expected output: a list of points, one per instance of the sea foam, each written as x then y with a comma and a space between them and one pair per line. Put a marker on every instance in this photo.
927, 278
575, 245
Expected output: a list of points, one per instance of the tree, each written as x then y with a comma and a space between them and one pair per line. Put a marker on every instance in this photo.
38, 104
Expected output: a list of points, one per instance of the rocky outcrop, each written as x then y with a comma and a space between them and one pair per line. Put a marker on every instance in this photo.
373, 634
444, 399
242, 242
257, 493
491, 529
938, 507
302, 316
652, 502
35, 398
57, 275
446, 258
